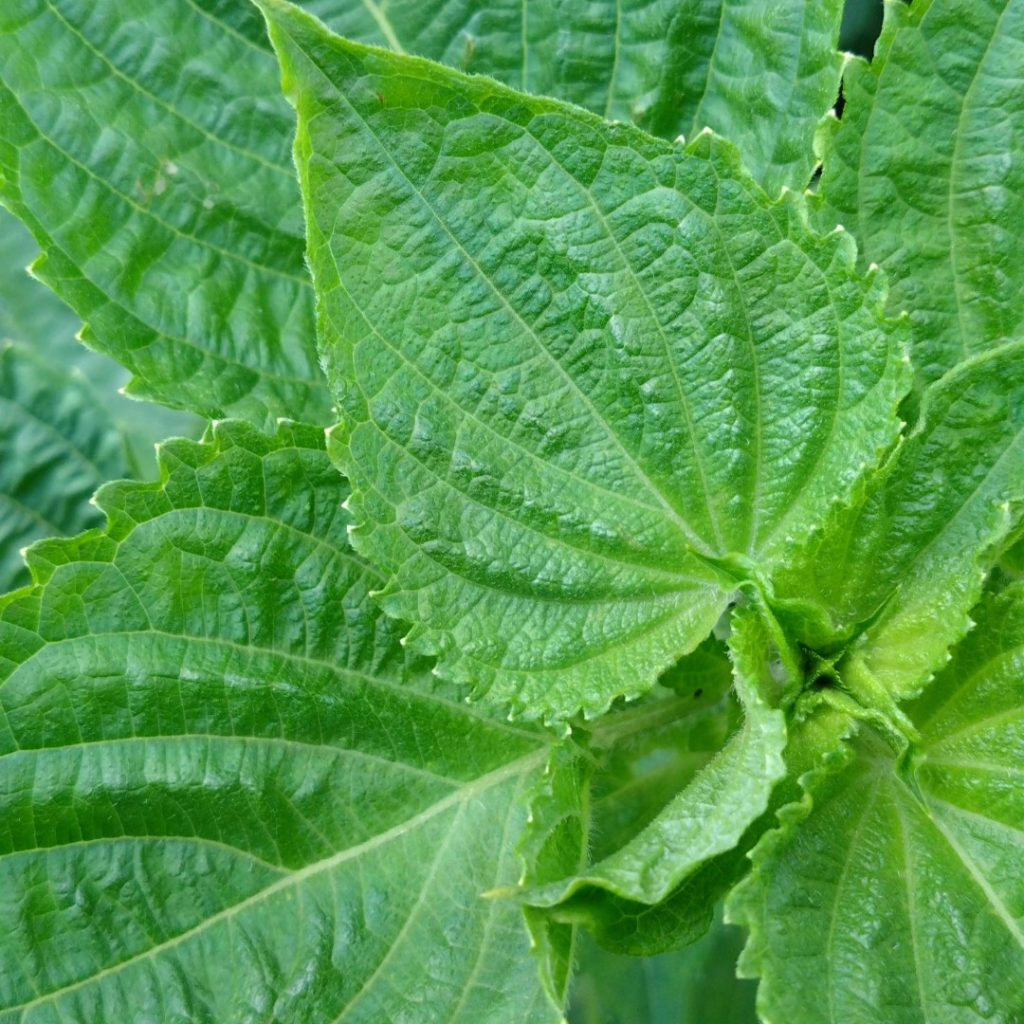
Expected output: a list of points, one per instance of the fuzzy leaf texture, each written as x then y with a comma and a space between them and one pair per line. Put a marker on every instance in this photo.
226, 791
925, 169
590, 382
894, 894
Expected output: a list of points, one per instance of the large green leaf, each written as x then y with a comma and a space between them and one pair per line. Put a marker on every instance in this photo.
761, 75
590, 382
899, 897
904, 566
57, 445
927, 169
227, 793
145, 144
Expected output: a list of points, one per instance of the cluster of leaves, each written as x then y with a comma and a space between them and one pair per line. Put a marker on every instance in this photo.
588, 529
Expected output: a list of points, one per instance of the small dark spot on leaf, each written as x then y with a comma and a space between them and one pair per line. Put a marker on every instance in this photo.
698, 693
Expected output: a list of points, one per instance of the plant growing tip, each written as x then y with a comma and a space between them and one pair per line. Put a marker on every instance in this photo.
676, 555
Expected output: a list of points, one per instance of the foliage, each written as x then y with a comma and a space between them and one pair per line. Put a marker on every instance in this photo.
616, 517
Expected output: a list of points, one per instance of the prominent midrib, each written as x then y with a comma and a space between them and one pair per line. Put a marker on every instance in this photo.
460, 796
923, 805
376, 11
230, 739
984, 886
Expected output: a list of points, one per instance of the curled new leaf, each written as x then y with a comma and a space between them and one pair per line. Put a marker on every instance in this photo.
907, 861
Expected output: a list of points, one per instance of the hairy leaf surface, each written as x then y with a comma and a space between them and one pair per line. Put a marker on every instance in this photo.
926, 169
589, 382
899, 897
227, 792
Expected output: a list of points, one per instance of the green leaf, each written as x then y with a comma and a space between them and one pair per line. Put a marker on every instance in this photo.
926, 169
658, 806
57, 445
33, 316
697, 983
145, 144
899, 897
650, 751
227, 793
705, 818
761, 76
590, 383
607, 784
905, 567
155, 173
